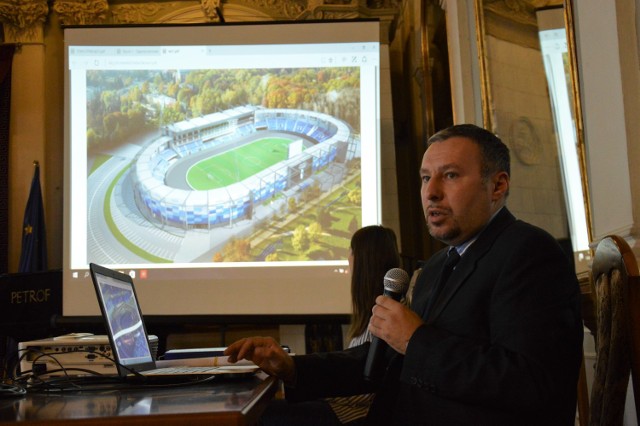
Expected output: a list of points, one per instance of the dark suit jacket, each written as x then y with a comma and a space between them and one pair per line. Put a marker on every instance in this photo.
502, 345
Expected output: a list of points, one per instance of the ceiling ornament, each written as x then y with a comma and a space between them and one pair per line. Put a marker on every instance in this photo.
81, 12
210, 10
23, 19
136, 13
276, 8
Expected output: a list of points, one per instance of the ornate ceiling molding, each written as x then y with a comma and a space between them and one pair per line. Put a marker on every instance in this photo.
81, 12
138, 13
23, 19
210, 9
278, 10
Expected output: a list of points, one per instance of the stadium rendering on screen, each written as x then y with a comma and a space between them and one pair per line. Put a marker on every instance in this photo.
195, 161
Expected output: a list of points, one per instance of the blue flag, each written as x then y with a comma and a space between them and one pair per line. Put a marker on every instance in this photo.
34, 241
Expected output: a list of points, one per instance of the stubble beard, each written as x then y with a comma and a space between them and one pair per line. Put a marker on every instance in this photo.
445, 236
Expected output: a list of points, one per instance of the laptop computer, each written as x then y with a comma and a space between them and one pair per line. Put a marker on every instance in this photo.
128, 335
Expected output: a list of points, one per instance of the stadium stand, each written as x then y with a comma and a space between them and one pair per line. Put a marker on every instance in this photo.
330, 140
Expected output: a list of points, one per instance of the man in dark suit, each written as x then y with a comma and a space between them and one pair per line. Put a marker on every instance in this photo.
497, 343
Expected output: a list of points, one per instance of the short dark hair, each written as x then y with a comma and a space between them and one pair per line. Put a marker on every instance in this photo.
495, 154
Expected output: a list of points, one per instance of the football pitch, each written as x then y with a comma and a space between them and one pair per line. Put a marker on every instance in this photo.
237, 164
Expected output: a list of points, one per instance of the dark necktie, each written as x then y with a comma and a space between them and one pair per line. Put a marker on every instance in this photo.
450, 262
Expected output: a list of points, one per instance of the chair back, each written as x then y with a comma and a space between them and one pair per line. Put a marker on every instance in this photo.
617, 295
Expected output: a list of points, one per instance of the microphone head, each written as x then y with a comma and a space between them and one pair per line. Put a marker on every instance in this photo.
396, 280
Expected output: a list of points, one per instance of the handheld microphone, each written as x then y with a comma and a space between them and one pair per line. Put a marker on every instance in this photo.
396, 282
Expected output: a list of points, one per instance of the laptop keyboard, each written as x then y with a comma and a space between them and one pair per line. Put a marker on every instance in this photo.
181, 370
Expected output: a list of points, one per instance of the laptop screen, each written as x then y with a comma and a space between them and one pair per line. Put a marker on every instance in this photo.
124, 321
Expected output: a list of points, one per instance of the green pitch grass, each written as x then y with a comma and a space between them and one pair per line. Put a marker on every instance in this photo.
238, 164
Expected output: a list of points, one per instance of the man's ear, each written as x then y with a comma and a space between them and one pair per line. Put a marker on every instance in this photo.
500, 185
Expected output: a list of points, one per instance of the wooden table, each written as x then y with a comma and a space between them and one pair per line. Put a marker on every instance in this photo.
224, 402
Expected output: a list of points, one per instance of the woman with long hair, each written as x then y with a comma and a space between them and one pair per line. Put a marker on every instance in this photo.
372, 252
